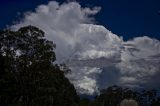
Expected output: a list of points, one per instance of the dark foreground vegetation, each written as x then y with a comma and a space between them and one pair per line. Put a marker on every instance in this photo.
29, 77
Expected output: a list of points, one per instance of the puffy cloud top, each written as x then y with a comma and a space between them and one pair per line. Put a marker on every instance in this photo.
98, 58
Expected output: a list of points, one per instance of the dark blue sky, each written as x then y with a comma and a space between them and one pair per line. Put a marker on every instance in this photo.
127, 18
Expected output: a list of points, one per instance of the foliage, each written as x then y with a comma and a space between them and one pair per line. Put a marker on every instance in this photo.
112, 96
29, 77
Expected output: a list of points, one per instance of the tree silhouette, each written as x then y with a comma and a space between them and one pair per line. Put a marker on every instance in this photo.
30, 78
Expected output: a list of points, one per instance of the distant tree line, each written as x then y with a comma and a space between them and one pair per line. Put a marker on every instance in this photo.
112, 96
29, 77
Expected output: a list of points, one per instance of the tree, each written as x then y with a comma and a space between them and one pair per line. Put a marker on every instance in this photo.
110, 96
150, 97
29, 77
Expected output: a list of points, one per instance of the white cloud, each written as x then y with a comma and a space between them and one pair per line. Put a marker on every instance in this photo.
60, 23
98, 58
84, 79
140, 61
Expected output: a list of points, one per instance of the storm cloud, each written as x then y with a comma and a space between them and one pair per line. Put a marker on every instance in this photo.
97, 57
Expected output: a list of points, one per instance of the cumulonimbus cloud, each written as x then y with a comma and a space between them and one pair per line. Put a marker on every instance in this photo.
98, 58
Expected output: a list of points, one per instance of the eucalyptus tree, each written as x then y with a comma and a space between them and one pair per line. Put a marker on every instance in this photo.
29, 77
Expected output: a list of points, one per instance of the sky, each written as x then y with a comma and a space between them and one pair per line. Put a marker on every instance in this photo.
102, 45
127, 18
